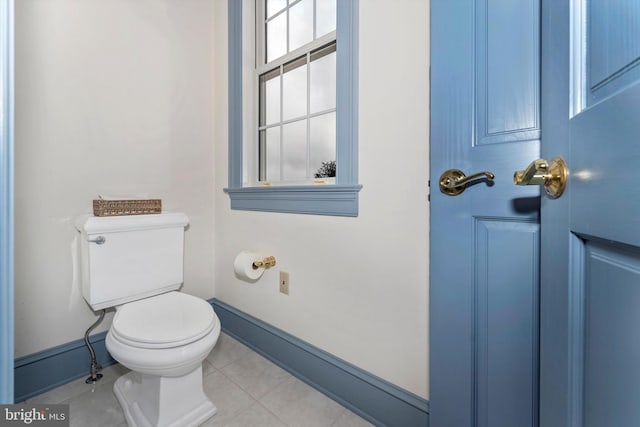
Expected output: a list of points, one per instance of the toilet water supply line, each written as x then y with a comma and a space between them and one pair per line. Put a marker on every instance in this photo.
95, 367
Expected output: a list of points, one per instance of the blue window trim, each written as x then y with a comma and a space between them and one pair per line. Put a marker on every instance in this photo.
6, 205
339, 199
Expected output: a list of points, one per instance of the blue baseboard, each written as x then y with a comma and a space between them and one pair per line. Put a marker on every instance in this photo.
373, 398
39, 372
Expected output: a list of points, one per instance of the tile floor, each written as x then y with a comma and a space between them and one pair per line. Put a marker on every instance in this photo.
248, 390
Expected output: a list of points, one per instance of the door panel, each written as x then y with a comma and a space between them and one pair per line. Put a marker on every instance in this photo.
504, 66
590, 263
605, 149
484, 242
612, 336
506, 322
613, 52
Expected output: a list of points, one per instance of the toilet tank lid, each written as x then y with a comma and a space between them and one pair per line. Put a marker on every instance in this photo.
111, 224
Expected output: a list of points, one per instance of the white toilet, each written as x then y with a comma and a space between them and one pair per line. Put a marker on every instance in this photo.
135, 264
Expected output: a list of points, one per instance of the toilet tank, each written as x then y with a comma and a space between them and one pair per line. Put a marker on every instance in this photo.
141, 256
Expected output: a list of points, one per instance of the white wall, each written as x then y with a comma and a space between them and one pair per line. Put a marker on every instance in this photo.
126, 97
359, 286
112, 97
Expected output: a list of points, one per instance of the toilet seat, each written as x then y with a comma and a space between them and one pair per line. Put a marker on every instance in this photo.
168, 320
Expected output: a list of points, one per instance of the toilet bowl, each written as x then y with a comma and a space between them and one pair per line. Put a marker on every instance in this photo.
168, 334
163, 340
135, 264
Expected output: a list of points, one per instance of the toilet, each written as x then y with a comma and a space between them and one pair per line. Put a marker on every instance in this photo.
135, 264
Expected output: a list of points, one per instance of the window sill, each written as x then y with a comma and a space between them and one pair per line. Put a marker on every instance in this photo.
334, 200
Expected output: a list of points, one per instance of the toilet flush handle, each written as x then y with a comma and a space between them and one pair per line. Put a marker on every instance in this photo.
98, 240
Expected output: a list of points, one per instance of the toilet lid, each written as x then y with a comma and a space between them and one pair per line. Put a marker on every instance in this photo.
167, 320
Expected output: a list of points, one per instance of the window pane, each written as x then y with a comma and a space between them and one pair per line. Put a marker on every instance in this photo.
294, 89
323, 79
270, 153
270, 97
325, 17
294, 150
323, 142
276, 43
274, 6
300, 24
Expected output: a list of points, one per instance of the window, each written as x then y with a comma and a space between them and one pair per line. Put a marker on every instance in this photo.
296, 91
293, 106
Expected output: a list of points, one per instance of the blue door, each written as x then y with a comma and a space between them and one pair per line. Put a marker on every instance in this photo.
6, 201
485, 117
590, 262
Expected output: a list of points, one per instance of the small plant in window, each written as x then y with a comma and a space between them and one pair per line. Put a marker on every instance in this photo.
327, 170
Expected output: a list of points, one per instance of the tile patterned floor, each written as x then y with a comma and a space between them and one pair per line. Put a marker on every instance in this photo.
248, 390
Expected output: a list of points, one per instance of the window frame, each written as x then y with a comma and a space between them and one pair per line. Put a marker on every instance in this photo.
279, 68
337, 199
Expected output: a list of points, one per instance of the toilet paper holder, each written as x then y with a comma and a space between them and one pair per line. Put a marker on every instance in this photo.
266, 262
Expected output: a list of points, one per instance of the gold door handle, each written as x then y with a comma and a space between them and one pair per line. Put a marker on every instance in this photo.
454, 181
553, 175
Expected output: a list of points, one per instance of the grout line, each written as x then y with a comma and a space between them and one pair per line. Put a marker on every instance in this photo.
115, 370
247, 391
344, 411
82, 389
241, 413
273, 413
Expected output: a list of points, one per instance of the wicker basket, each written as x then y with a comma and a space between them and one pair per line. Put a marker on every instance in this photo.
126, 207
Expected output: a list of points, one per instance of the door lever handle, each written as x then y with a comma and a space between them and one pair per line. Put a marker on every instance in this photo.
454, 181
552, 175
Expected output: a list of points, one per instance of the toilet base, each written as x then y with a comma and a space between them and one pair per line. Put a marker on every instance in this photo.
153, 401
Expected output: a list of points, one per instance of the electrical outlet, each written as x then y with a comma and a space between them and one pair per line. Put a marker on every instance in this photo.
284, 282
